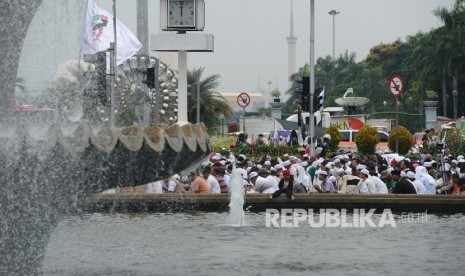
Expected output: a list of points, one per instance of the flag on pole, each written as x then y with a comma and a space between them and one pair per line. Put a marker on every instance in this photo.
322, 98
97, 33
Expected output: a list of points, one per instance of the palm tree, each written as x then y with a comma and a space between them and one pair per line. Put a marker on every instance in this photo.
453, 34
212, 103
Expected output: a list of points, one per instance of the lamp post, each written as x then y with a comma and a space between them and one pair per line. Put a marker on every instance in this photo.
334, 13
268, 95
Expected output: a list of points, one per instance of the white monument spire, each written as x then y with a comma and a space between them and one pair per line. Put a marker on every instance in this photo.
291, 41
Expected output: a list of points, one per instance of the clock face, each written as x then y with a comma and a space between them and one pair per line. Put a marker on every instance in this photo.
181, 14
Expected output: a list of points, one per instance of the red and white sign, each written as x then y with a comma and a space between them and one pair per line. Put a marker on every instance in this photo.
396, 86
243, 100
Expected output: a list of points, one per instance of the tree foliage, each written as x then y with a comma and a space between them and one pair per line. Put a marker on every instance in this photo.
333, 131
367, 139
433, 60
212, 103
405, 140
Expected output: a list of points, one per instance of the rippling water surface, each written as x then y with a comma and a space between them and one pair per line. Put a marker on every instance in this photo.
202, 244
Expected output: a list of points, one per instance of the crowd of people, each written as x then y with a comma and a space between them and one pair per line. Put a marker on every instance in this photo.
343, 173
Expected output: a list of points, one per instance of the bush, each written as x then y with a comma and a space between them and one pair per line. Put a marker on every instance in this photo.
367, 139
335, 138
405, 140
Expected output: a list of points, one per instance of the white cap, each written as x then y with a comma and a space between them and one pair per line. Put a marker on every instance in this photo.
176, 176
332, 178
304, 164
305, 155
328, 166
267, 163
460, 157
340, 171
286, 163
322, 172
365, 171
349, 171
337, 160
259, 166
361, 167
455, 162
278, 166
427, 164
253, 174
403, 174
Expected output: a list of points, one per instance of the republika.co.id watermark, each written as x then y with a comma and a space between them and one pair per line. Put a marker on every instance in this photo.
357, 218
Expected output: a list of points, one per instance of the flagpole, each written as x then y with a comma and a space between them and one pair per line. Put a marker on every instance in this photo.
113, 47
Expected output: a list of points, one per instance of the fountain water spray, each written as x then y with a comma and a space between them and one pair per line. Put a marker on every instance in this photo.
236, 205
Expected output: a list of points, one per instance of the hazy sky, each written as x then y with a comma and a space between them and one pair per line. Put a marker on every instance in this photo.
250, 35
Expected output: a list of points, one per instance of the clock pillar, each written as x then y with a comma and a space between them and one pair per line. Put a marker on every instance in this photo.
182, 86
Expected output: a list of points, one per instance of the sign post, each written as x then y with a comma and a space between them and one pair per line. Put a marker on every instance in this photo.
396, 88
243, 100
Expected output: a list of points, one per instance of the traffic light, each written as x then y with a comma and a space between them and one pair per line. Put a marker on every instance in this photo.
150, 82
305, 96
318, 98
97, 79
152, 75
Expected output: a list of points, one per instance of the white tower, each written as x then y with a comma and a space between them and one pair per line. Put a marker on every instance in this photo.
291, 41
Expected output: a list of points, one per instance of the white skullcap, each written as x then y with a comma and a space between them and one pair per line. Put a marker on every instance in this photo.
365, 171
304, 164
337, 160
427, 164
333, 179
340, 171
460, 157
176, 176
349, 171
328, 166
323, 172
305, 155
278, 166
455, 162
286, 163
403, 174
253, 174
360, 167
267, 163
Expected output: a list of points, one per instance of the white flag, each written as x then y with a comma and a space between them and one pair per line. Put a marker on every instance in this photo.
97, 33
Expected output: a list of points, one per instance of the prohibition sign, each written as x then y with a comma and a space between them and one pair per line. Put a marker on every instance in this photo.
396, 86
243, 100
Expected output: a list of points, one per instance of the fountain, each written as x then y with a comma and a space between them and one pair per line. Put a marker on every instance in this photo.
351, 102
48, 170
236, 204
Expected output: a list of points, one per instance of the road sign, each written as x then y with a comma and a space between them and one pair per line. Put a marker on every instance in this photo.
396, 86
243, 100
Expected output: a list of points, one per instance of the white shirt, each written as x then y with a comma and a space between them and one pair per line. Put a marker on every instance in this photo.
367, 186
419, 187
381, 187
171, 186
214, 185
155, 187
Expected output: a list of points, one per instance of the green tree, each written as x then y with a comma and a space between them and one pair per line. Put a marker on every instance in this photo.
405, 140
212, 103
367, 139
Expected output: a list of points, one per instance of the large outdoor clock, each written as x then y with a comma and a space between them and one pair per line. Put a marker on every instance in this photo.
182, 15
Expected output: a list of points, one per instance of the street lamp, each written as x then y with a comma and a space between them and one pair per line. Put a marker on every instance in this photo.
334, 13
268, 95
